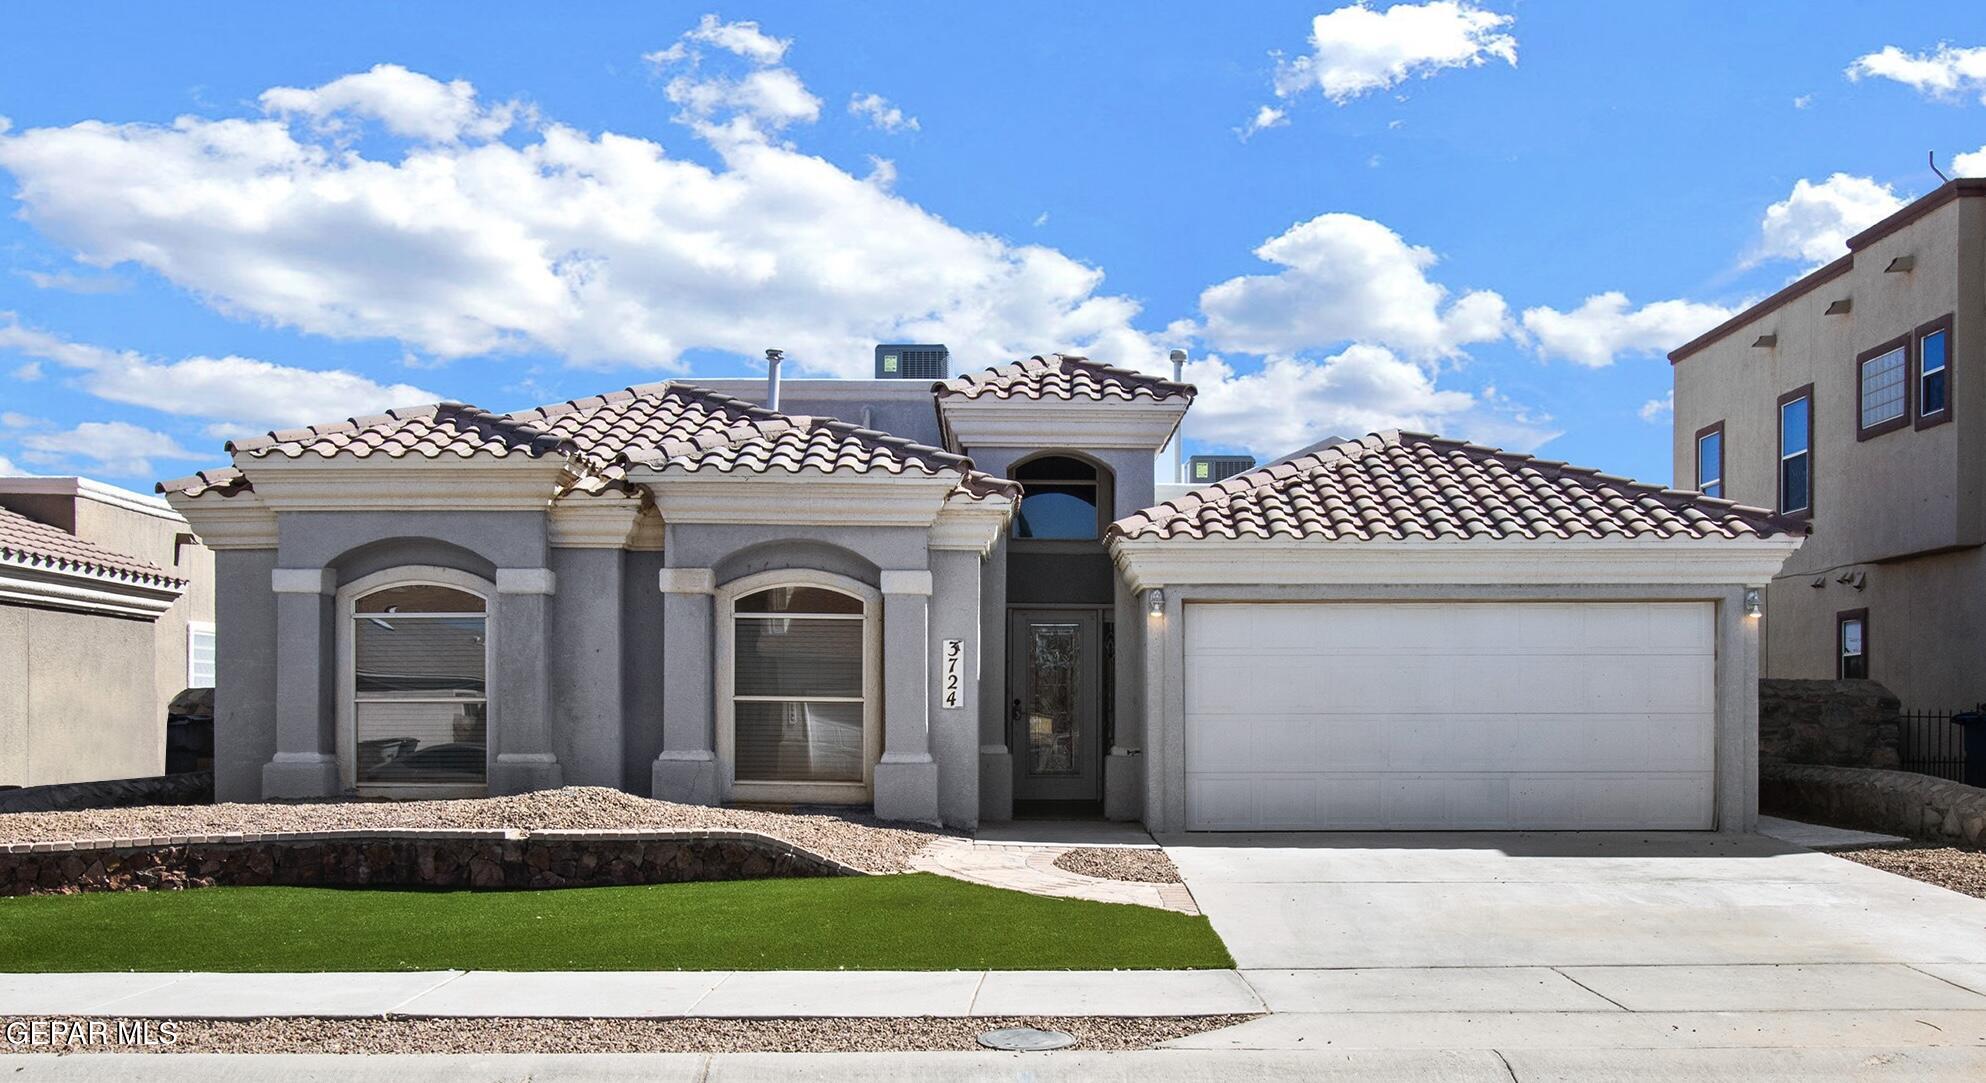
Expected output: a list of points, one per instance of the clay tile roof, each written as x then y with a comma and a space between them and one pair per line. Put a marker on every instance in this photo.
1400, 485
38, 545
653, 424
1062, 376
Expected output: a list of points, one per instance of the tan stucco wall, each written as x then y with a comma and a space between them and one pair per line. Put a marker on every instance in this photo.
72, 706
1891, 507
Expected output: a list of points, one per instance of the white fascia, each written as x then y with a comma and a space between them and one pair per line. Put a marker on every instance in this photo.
378, 483
26, 582
972, 523
1153, 562
241, 521
1051, 423
806, 499
603, 520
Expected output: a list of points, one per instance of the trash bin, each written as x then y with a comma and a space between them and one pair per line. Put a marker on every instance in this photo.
1974, 724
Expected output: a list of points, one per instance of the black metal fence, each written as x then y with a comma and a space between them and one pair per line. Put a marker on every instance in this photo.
1930, 743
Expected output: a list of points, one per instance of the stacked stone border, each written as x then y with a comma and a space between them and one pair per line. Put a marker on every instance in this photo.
492, 859
1897, 802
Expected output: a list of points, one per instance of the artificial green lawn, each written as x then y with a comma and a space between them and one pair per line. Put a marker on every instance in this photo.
916, 921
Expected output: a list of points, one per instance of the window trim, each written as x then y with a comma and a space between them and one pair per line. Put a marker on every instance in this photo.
726, 683
1841, 620
194, 628
1942, 323
1723, 458
411, 575
1805, 391
1901, 420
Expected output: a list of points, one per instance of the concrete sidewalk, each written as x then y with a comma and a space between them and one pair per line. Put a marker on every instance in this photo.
1162, 1066
635, 994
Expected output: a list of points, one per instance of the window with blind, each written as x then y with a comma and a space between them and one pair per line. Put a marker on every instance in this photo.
420, 699
798, 707
1885, 390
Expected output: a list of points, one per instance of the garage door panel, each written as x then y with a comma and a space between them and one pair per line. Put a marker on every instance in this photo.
1356, 716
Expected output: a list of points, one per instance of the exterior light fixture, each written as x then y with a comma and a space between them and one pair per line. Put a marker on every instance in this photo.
1754, 601
1155, 601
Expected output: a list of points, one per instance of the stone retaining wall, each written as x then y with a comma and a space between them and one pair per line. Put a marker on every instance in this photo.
1897, 802
405, 858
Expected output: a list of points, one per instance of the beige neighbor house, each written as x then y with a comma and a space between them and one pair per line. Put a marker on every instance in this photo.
1854, 398
106, 614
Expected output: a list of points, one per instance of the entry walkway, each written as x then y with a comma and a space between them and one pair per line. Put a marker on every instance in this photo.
1030, 867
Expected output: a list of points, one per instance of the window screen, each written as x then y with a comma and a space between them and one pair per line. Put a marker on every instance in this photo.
797, 675
419, 698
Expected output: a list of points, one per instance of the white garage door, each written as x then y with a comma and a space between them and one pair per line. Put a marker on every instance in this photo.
1450, 715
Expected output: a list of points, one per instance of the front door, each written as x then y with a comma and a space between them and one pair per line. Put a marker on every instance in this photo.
1054, 670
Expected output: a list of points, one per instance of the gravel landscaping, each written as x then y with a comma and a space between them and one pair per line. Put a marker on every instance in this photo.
304, 1035
1143, 866
1955, 867
853, 838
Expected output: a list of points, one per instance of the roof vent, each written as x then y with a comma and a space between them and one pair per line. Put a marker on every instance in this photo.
906, 361
1207, 469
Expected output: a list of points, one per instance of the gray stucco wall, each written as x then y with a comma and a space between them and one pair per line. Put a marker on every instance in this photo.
246, 647
77, 698
587, 665
644, 641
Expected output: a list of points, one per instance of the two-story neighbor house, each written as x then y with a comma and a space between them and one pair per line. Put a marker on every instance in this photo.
949, 599
106, 614
1852, 399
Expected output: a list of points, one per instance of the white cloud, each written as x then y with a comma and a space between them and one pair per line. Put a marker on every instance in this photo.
1266, 117
1356, 50
1803, 101
1344, 278
117, 448
408, 103
1814, 222
1970, 165
1291, 403
8, 469
1604, 327
1946, 74
598, 248
744, 38
1659, 411
71, 282
27, 373
878, 111
246, 393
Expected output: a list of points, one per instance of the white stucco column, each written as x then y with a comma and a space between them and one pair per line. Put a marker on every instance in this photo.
686, 769
520, 687
907, 778
306, 760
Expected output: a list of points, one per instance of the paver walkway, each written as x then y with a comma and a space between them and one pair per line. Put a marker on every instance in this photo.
1030, 867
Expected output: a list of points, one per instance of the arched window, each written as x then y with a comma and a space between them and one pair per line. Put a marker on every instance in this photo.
414, 701
799, 697
1062, 497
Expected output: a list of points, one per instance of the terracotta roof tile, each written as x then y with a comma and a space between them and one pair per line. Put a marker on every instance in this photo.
1062, 376
656, 424
1399, 485
26, 541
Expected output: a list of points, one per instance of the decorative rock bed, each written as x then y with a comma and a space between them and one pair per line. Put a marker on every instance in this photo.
424, 858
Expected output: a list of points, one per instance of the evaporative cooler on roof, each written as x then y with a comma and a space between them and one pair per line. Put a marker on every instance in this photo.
929, 361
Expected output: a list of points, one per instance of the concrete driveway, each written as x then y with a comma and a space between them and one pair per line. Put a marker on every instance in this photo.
1543, 940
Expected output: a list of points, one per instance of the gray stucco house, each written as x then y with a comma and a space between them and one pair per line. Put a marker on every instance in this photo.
949, 600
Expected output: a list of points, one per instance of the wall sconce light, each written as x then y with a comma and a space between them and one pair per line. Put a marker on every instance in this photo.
1754, 601
1155, 601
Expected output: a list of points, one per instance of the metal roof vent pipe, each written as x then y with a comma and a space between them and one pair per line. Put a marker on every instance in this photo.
772, 360
1179, 437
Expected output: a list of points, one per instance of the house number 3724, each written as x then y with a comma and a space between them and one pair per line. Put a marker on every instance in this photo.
954, 674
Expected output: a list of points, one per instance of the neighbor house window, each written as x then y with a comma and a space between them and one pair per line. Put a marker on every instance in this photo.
1934, 379
199, 654
419, 689
1710, 460
1061, 497
1796, 454
1883, 389
1851, 641
800, 689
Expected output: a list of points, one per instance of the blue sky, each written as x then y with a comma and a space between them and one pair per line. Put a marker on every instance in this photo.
225, 218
